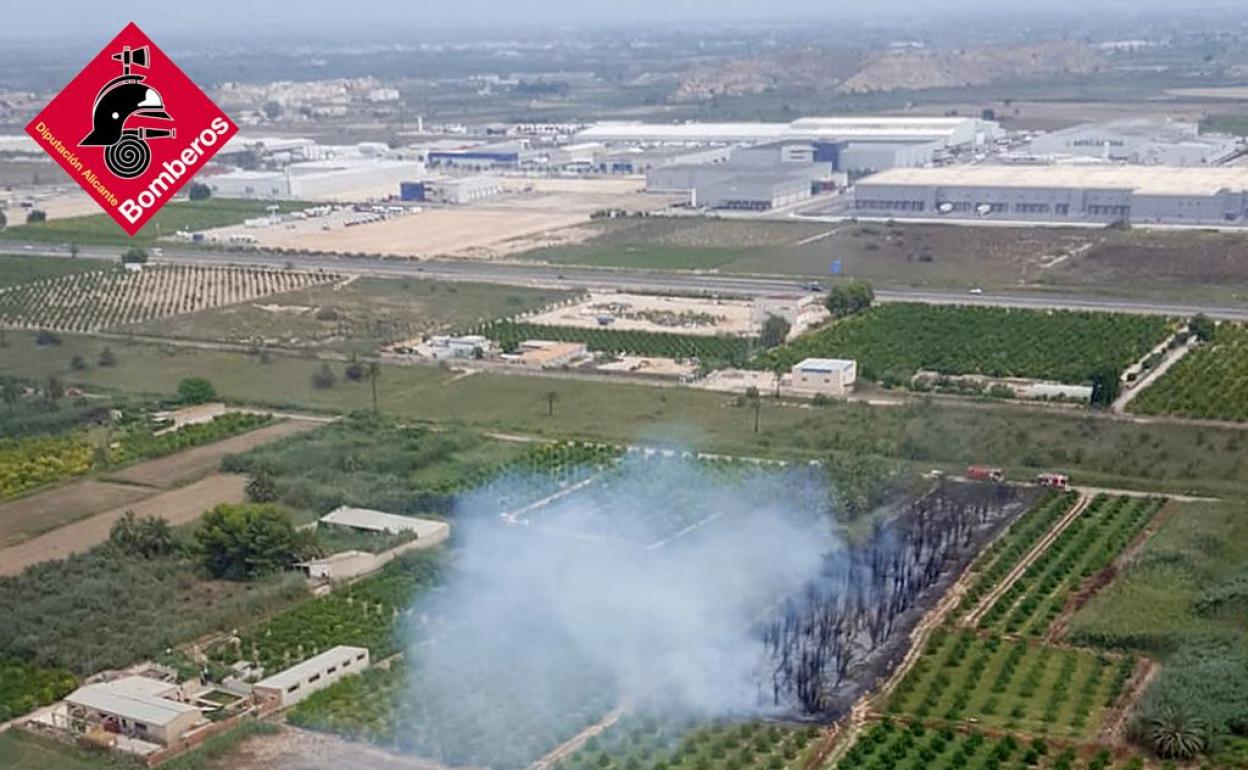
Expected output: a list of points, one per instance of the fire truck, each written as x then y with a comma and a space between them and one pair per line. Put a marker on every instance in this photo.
985, 473
1054, 480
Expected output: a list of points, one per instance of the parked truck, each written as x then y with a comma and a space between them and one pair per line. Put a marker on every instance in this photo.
1054, 480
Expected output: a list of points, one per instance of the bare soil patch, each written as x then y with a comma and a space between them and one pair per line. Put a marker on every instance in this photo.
294, 749
178, 506
47, 510
191, 464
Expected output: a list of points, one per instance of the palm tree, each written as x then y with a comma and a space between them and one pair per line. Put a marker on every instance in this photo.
11, 393
374, 371
754, 400
1176, 734
551, 398
55, 390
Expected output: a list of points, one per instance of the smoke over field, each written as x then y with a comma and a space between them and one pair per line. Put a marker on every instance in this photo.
645, 585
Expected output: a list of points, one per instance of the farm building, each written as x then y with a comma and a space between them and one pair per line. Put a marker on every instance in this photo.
1085, 194
316, 673
1138, 140
546, 354
826, 376
134, 706
367, 520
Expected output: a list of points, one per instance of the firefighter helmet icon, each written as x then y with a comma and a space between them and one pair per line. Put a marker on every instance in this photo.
126, 96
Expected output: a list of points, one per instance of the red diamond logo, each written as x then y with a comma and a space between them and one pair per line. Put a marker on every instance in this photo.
131, 128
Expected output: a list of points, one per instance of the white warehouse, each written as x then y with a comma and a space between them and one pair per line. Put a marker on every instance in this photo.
1060, 194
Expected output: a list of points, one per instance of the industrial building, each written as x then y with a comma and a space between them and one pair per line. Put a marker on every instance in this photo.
1139, 140
513, 154
947, 131
366, 520
752, 190
316, 673
1066, 194
824, 376
340, 178
455, 191
134, 706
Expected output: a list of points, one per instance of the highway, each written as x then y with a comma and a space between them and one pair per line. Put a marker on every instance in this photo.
520, 274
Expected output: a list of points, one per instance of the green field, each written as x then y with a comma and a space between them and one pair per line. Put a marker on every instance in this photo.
1183, 600
1100, 451
18, 268
355, 318
510, 334
894, 341
178, 215
1210, 382
20, 751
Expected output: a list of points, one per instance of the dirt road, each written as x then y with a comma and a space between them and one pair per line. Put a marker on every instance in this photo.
295, 749
178, 506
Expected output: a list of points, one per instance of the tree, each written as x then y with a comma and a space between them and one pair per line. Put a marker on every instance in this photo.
36, 216
4, 220
54, 390
77, 363
354, 370
73, 251
262, 488
135, 255
374, 372
148, 537
774, 332
849, 298
753, 398
244, 542
11, 392
107, 357
196, 390
323, 378
551, 398
1105, 387
273, 109
1175, 734
1202, 327
199, 191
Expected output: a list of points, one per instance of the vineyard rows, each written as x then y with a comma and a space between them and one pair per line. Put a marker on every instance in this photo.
996, 562
735, 350
1090, 543
107, 299
1011, 685
887, 746
894, 341
1210, 382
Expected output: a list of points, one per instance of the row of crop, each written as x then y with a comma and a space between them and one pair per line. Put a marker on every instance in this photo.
367, 614
1004, 554
1210, 382
736, 350
1009, 684
33, 461
669, 742
91, 301
24, 688
894, 341
1089, 544
140, 442
888, 746
477, 719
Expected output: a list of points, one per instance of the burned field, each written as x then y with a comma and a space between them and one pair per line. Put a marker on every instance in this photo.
718, 590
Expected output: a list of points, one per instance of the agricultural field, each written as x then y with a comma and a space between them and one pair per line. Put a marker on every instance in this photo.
683, 743
178, 215
370, 614
894, 341
1007, 551
1012, 685
1181, 601
356, 316
24, 688
1210, 382
26, 463
887, 744
138, 441
1089, 544
94, 301
509, 335
17, 269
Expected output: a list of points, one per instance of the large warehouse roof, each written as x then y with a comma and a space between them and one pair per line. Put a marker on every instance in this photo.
129, 702
875, 128
380, 521
313, 665
1144, 180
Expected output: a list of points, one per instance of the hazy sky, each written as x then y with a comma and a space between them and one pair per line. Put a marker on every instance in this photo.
101, 19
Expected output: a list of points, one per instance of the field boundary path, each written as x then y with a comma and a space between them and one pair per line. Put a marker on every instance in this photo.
975, 615
1172, 357
574, 743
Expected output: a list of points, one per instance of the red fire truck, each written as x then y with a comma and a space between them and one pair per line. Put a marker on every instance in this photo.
1054, 480
985, 473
